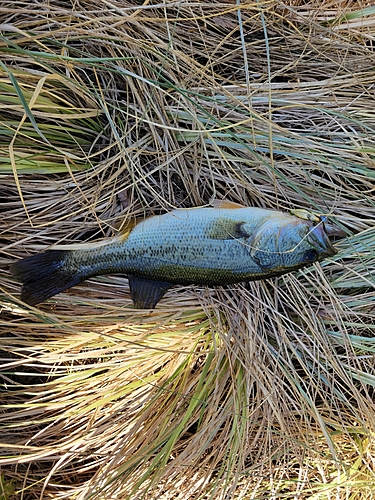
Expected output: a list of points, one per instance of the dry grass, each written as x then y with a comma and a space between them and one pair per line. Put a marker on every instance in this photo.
115, 109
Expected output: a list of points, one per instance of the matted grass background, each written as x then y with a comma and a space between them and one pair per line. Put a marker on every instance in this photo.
113, 109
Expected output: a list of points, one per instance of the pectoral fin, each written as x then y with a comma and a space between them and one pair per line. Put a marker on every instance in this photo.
227, 229
145, 293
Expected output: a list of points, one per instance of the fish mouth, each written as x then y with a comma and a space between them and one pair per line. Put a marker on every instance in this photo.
319, 239
333, 230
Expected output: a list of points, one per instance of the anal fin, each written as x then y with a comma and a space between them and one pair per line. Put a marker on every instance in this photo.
146, 293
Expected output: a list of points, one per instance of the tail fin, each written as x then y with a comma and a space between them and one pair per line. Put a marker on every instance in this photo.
44, 275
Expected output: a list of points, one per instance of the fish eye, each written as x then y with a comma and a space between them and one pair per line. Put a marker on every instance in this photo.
310, 255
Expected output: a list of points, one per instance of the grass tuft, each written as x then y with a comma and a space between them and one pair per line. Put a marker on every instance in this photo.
120, 110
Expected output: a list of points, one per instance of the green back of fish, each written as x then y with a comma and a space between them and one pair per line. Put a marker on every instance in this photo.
213, 246
204, 245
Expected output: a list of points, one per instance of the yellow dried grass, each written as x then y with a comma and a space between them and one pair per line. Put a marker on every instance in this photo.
256, 391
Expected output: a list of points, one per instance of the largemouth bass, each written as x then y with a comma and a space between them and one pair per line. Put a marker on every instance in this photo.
222, 245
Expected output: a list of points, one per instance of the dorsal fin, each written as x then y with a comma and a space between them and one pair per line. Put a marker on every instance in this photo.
127, 226
122, 235
226, 204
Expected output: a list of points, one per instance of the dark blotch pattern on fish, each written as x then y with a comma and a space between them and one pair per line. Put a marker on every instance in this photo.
210, 246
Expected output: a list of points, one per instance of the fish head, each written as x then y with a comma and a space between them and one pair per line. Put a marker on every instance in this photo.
290, 242
304, 241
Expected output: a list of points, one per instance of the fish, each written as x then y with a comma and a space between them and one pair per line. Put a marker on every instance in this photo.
222, 244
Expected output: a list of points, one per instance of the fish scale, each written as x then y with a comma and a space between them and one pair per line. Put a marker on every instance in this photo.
177, 245
210, 246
